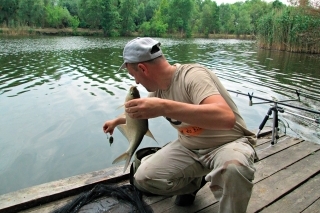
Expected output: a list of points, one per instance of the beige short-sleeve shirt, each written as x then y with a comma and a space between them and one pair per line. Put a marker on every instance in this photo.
192, 83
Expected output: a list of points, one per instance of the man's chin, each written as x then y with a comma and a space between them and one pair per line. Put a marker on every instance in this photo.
150, 90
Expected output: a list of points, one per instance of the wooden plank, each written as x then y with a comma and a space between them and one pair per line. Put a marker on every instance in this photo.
150, 199
281, 160
314, 208
263, 141
265, 131
267, 140
210, 209
67, 187
268, 149
204, 198
96, 206
38, 195
266, 167
268, 190
49, 207
299, 199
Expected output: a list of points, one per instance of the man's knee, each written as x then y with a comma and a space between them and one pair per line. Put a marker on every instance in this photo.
236, 170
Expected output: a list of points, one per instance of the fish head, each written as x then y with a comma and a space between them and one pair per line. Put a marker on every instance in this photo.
133, 93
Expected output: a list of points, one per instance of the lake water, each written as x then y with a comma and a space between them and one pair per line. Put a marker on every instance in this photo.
56, 93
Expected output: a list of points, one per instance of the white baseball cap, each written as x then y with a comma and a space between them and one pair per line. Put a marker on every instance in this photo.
140, 50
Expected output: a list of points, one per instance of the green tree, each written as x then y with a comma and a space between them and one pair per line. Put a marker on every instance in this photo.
141, 16
57, 17
158, 23
128, 14
31, 12
195, 21
71, 5
243, 23
8, 9
181, 14
210, 22
110, 18
256, 9
227, 19
150, 8
90, 12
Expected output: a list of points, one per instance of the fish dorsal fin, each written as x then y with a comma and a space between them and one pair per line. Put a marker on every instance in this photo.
148, 133
124, 130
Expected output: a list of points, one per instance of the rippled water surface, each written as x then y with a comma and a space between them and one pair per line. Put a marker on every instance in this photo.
56, 93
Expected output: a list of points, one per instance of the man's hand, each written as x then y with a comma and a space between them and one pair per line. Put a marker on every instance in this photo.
108, 126
144, 108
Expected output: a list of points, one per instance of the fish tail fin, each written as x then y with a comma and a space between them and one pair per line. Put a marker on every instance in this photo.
125, 156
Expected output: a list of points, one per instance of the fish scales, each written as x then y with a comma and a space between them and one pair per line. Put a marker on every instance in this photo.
134, 130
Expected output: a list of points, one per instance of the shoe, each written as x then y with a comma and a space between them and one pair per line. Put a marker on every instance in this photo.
185, 200
188, 199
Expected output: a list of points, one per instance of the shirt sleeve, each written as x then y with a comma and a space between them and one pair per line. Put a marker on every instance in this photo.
200, 84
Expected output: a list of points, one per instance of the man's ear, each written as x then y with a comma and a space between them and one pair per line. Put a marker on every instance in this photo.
142, 67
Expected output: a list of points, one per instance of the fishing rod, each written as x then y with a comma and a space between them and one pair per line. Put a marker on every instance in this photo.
276, 109
279, 102
315, 120
227, 76
274, 86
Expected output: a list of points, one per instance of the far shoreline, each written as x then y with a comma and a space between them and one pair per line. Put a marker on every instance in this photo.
28, 31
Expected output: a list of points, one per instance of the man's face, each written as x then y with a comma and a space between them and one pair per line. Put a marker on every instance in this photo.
140, 76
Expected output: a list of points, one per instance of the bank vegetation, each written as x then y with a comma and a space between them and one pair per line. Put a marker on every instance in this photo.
275, 25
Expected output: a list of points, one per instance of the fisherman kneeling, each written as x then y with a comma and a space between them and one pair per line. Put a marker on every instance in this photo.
213, 142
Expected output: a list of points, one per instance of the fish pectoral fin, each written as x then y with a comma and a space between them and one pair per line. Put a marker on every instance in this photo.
148, 133
120, 106
123, 129
125, 156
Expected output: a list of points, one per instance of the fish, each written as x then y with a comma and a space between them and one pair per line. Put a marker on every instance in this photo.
134, 130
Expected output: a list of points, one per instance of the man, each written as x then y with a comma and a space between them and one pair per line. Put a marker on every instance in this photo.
213, 141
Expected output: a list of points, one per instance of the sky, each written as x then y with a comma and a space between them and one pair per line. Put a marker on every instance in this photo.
233, 1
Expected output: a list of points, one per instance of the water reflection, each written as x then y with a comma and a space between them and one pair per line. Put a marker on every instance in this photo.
56, 92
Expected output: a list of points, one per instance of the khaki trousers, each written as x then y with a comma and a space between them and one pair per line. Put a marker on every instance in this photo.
176, 170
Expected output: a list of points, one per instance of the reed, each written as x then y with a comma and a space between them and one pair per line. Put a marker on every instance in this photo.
290, 29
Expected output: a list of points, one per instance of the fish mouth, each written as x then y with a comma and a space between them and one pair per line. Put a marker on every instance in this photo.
134, 92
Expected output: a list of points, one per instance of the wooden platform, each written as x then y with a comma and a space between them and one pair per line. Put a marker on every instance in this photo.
287, 181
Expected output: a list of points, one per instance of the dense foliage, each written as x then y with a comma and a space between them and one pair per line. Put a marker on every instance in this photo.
294, 28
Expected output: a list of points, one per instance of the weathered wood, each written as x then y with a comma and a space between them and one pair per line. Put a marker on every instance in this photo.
97, 206
314, 208
280, 160
264, 132
44, 193
282, 175
269, 190
49, 207
267, 140
266, 150
273, 164
204, 198
210, 209
265, 167
299, 199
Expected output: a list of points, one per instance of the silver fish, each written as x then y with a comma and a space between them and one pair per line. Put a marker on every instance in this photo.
134, 130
